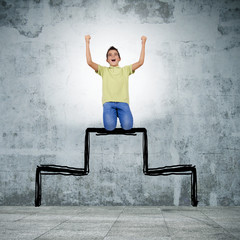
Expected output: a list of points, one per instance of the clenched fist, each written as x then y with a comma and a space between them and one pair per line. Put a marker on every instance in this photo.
87, 38
144, 39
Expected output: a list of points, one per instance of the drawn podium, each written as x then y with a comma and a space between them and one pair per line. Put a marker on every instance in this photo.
164, 171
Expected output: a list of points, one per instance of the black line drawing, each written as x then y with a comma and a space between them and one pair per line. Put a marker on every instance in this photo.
164, 171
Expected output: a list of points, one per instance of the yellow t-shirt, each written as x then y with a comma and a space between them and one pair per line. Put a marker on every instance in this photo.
115, 83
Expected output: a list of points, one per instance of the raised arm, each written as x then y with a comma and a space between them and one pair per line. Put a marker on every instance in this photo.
88, 54
142, 55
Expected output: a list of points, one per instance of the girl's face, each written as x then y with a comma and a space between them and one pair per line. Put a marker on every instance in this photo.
113, 58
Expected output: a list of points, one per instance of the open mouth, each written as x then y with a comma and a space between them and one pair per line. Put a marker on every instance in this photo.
113, 60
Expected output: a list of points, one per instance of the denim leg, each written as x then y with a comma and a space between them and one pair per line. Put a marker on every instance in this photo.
109, 116
125, 115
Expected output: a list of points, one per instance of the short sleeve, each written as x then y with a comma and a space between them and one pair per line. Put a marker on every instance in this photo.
131, 71
128, 70
100, 70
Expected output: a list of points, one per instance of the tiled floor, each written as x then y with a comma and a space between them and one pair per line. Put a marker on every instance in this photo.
118, 223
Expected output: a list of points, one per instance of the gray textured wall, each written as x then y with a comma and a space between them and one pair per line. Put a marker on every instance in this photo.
186, 95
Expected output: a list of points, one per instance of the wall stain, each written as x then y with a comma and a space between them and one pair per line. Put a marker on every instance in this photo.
16, 15
229, 15
147, 11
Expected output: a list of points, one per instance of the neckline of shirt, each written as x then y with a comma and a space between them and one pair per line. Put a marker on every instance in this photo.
111, 67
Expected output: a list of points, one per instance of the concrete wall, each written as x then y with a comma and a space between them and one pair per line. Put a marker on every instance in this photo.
186, 94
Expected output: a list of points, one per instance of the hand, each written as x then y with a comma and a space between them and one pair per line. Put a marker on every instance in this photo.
144, 39
87, 38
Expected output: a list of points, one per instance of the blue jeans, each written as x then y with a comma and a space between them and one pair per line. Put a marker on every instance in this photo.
114, 110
